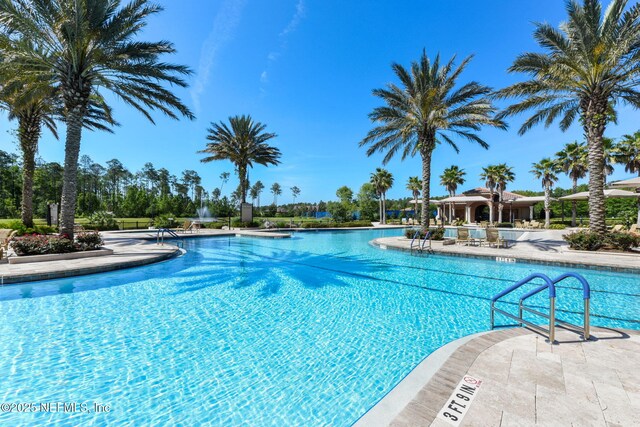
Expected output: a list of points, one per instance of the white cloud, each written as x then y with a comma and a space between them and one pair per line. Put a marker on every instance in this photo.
264, 77
288, 29
224, 25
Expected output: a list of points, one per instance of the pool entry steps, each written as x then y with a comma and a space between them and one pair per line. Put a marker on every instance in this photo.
550, 286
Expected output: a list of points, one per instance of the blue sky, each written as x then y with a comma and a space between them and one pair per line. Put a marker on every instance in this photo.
306, 68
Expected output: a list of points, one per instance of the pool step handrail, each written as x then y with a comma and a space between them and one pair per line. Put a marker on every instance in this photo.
550, 286
418, 243
171, 233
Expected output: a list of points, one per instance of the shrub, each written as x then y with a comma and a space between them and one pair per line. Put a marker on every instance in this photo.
557, 226
436, 233
622, 241
237, 223
102, 220
164, 221
88, 241
585, 240
215, 225
35, 244
505, 225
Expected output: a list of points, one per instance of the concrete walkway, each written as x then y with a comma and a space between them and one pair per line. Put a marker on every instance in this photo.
526, 381
545, 247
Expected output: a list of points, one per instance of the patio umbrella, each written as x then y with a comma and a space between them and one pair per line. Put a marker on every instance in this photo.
627, 183
610, 193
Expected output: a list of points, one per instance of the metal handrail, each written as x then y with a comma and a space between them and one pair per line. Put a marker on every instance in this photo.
552, 302
160, 236
550, 286
421, 242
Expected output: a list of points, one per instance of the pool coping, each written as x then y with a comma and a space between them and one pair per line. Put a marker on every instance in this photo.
391, 404
385, 244
437, 388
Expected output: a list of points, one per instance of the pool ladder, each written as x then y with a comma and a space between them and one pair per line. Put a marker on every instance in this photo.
420, 244
549, 285
171, 233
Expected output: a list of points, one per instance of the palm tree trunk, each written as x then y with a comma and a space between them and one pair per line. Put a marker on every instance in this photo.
425, 153
384, 208
69, 190
574, 204
547, 202
594, 117
242, 175
500, 207
29, 134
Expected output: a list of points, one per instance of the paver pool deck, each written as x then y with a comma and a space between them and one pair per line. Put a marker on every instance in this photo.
546, 247
526, 381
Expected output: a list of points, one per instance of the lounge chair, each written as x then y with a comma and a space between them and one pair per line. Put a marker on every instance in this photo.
535, 224
526, 224
186, 226
464, 237
6, 234
518, 224
617, 228
634, 230
494, 239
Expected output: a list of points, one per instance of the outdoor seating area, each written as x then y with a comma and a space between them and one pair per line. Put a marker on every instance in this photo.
491, 238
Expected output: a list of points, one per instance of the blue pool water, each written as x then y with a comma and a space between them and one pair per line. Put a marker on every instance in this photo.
312, 330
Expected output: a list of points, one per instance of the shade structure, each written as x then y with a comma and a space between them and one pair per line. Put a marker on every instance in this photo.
610, 193
627, 183
530, 199
464, 199
432, 202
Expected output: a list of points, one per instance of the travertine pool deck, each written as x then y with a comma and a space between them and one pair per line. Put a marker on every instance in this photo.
542, 248
526, 382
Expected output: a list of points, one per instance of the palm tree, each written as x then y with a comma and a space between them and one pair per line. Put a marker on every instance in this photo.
427, 110
505, 175
589, 66
295, 192
256, 189
224, 178
608, 145
415, 185
276, 190
452, 177
546, 170
77, 46
627, 152
490, 174
572, 160
243, 144
382, 181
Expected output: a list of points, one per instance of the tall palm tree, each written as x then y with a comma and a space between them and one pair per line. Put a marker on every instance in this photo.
589, 65
415, 185
78, 46
276, 190
490, 174
572, 160
256, 190
243, 143
504, 176
295, 192
224, 178
546, 170
428, 109
382, 181
627, 152
452, 177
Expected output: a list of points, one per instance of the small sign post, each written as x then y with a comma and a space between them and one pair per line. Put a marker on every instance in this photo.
246, 212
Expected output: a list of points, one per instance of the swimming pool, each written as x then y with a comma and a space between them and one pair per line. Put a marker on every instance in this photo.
311, 330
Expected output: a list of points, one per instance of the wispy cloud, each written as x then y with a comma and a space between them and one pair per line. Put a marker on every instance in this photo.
223, 29
291, 26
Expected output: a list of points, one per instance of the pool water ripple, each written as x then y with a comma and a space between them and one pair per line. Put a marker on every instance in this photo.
308, 331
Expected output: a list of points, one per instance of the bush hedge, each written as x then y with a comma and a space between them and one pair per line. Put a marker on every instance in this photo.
436, 233
39, 244
585, 240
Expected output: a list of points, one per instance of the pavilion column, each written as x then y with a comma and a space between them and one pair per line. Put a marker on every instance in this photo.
467, 215
490, 213
531, 213
439, 212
